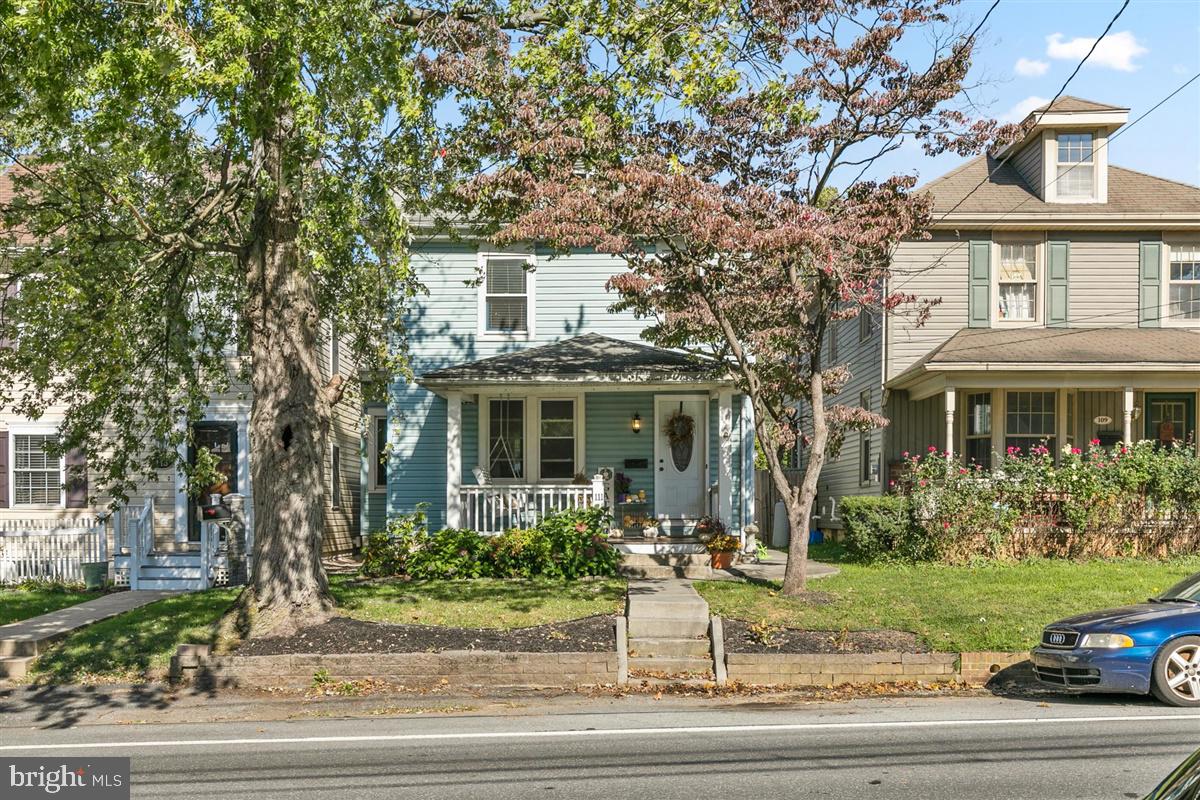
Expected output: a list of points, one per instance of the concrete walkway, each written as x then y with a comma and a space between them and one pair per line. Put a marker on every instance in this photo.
668, 629
22, 642
770, 569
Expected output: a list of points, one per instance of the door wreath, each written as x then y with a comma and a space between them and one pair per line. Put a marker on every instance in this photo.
679, 429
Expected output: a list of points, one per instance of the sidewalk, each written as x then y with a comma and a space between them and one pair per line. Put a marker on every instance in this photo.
771, 569
21, 642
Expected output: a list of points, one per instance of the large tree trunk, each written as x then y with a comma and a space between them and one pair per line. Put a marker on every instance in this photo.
800, 500
290, 415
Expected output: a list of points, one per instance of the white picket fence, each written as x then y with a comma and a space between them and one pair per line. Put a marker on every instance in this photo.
50, 549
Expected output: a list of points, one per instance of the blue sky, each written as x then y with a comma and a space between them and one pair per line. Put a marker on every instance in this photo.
1031, 46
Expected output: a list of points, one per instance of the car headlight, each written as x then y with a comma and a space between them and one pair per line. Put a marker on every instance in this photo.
1107, 641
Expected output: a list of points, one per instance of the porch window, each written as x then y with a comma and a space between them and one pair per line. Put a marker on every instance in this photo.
979, 429
1076, 168
556, 444
506, 439
1018, 282
506, 296
1029, 420
37, 475
379, 468
1185, 282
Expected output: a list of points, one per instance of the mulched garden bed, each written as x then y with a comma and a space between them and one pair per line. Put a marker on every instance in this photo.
339, 635
740, 639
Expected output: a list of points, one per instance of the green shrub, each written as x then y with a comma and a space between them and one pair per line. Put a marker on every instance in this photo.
568, 545
881, 528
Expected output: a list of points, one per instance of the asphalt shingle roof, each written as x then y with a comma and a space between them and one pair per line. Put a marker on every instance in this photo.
588, 356
1173, 346
1068, 103
1129, 192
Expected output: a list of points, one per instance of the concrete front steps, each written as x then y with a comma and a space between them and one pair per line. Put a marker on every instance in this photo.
691, 566
668, 630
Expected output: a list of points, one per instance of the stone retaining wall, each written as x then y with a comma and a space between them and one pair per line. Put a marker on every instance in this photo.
457, 668
779, 669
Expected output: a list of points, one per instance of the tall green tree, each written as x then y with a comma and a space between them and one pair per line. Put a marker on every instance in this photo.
197, 177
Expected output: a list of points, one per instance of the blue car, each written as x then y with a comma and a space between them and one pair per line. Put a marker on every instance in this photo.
1152, 647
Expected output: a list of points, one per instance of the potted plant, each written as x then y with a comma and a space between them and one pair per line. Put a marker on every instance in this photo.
707, 527
721, 549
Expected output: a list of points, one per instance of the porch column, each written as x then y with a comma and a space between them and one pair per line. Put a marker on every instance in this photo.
453, 459
725, 448
1128, 415
950, 406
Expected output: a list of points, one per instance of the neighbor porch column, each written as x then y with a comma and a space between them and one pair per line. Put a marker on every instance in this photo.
1128, 415
950, 406
453, 459
725, 448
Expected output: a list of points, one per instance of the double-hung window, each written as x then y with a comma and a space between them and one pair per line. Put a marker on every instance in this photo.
556, 443
1076, 174
37, 476
1017, 282
1184, 293
1029, 420
507, 296
506, 439
979, 429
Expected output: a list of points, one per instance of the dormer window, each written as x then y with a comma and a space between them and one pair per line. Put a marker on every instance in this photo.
1076, 176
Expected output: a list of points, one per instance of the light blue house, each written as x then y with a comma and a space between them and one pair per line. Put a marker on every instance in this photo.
529, 395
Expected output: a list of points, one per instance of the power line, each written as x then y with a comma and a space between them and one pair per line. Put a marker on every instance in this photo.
1045, 109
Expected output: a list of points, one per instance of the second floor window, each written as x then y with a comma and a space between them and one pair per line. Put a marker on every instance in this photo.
37, 475
1184, 295
506, 296
1017, 283
1076, 170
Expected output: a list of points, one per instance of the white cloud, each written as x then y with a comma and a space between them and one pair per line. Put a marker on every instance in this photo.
1023, 108
1030, 67
1115, 51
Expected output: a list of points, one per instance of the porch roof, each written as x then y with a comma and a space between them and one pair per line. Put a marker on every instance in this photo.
1024, 350
582, 359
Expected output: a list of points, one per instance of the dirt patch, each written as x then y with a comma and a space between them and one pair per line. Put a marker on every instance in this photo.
593, 634
746, 637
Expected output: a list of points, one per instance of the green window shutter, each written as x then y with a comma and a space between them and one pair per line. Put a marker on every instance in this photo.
1058, 259
1150, 284
979, 284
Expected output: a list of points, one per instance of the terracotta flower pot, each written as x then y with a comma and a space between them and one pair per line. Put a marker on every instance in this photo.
722, 560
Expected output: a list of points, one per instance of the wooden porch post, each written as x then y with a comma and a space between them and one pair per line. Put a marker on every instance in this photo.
1128, 415
725, 448
950, 406
454, 459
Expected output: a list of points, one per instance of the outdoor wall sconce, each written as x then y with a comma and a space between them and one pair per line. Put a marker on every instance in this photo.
635, 424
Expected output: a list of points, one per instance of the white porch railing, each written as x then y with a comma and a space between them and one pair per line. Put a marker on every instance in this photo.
495, 509
134, 531
50, 549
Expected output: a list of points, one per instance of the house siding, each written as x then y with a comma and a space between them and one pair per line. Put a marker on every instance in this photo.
1029, 163
610, 440
913, 273
1103, 278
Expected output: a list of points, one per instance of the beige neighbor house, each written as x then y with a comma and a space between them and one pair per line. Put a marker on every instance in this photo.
50, 522
1069, 310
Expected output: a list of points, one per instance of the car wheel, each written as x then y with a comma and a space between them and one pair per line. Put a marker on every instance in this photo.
1176, 677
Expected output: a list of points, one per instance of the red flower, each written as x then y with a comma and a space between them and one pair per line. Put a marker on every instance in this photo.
946, 525
1094, 442
933, 448
1075, 451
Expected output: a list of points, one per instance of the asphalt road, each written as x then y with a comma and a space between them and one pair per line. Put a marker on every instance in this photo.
916, 748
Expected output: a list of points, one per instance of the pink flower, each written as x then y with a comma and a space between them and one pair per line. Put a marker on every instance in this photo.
891, 483
946, 525
1075, 451
922, 482
580, 527
962, 470
904, 454
1094, 442
933, 448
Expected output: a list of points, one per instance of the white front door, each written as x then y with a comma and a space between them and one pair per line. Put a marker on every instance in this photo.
680, 456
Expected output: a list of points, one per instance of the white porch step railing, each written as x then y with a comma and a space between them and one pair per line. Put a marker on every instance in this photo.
50, 549
134, 532
495, 509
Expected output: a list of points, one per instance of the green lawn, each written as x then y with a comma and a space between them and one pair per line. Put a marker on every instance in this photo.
480, 603
19, 604
127, 646
989, 606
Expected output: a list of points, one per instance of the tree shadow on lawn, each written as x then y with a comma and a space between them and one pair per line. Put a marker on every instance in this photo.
517, 596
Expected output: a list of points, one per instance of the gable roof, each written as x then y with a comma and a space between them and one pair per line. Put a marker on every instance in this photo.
1068, 103
590, 357
968, 189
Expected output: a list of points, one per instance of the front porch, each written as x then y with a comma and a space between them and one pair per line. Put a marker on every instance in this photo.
986, 392
657, 438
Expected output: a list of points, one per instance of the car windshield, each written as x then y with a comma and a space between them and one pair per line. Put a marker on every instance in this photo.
1186, 589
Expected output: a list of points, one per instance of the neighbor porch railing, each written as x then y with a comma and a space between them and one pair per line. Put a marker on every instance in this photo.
495, 509
50, 549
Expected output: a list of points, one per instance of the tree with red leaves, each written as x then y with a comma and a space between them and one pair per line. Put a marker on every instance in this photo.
739, 204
